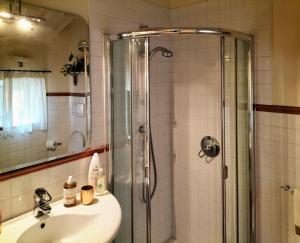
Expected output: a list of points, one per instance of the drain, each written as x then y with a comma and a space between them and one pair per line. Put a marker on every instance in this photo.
43, 225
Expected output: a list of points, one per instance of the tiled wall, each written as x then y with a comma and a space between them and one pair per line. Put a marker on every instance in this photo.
118, 16
160, 98
250, 16
59, 128
104, 17
278, 161
62, 121
113, 17
21, 148
195, 70
16, 195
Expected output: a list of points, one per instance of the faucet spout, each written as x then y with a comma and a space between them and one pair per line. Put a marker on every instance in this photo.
41, 202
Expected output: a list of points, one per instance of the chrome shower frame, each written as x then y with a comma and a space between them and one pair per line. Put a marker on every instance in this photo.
169, 31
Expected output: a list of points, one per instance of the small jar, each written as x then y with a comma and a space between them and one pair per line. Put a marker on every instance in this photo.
69, 195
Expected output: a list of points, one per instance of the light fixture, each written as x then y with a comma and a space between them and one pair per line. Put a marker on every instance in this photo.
5, 15
19, 16
24, 24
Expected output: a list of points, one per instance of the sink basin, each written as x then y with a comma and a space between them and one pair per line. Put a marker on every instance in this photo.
96, 223
51, 230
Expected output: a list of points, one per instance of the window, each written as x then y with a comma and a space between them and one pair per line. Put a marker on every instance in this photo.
24, 106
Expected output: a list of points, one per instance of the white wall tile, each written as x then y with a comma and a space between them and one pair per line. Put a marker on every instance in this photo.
5, 190
5, 208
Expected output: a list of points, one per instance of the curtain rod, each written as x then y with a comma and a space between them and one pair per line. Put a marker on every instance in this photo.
29, 71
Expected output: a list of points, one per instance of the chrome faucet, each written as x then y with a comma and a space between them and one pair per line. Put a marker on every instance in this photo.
41, 202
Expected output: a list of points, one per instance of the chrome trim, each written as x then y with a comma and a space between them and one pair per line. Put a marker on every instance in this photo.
109, 95
130, 48
41, 205
144, 32
223, 164
236, 139
251, 128
88, 107
147, 139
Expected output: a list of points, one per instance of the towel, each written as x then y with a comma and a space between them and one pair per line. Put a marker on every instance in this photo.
297, 211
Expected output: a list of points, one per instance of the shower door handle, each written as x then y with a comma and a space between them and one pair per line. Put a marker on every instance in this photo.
225, 172
127, 124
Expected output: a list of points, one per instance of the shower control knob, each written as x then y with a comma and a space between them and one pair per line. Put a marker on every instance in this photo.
209, 147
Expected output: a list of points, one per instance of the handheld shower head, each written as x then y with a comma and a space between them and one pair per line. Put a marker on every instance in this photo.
164, 52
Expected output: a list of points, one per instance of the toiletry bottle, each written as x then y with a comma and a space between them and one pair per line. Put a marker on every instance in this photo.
93, 178
93, 170
69, 195
100, 183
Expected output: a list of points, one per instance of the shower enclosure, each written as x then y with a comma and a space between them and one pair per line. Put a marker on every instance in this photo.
170, 88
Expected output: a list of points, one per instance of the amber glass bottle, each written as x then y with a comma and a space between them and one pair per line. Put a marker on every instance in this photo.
69, 197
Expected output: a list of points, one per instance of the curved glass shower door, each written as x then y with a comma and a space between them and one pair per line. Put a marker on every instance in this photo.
130, 146
203, 88
121, 135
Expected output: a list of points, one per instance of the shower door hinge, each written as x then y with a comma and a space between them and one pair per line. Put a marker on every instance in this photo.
225, 172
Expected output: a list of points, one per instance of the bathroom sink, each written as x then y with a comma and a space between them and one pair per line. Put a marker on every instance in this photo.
51, 230
96, 223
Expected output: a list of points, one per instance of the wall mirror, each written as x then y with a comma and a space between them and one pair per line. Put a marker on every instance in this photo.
44, 85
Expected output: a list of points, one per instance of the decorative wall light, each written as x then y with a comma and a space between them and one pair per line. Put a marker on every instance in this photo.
74, 68
77, 65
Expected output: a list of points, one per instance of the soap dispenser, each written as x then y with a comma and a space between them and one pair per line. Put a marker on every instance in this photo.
69, 195
100, 182
94, 170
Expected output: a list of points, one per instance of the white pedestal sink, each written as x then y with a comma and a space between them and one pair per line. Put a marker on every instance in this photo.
96, 223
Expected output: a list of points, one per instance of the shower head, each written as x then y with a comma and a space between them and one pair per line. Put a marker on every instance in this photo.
164, 52
82, 45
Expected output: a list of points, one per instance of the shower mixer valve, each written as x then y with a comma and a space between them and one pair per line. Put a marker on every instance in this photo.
210, 147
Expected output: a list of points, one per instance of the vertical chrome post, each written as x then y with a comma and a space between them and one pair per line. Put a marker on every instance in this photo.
222, 49
251, 138
131, 147
109, 101
147, 140
236, 138
83, 46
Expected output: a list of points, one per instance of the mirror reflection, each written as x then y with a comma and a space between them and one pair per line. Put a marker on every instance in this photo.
44, 85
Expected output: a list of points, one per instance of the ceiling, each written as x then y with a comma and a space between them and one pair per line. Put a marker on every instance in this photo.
56, 21
78, 7
173, 3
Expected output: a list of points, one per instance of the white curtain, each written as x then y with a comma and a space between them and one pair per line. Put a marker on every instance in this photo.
25, 104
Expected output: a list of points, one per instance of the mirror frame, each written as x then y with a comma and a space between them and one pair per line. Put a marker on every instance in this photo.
30, 169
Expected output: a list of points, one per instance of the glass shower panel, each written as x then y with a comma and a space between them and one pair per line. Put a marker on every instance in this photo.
237, 185
140, 145
121, 134
242, 138
230, 139
129, 120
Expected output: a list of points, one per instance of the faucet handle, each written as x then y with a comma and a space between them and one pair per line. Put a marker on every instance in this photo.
41, 194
